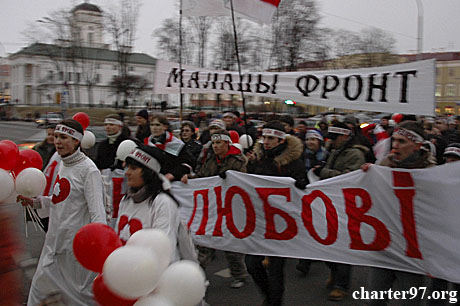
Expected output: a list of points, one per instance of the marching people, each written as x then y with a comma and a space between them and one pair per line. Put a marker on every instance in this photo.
346, 156
278, 155
224, 156
407, 152
177, 162
143, 125
76, 201
188, 136
231, 124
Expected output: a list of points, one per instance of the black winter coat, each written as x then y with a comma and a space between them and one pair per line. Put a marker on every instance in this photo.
106, 152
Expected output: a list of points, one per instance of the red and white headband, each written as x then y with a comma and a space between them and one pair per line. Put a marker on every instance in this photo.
223, 137
64, 129
411, 135
113, 121
145, 159
452, 150
274, 133
337, 130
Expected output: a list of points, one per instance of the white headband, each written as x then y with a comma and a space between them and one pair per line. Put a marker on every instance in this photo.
145, 159
64, 129
113, 121
221, 137
410, 135
452, 150
274, 133
337, 130
314, 134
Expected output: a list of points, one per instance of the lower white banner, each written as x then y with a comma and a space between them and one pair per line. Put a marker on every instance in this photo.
399, 219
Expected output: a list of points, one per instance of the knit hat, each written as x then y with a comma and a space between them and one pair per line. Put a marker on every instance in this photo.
314, 134
143, 113
218, 123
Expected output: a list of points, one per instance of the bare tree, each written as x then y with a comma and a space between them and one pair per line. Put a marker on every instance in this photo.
121, 23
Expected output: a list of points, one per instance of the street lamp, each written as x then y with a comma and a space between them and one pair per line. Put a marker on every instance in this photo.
419, 30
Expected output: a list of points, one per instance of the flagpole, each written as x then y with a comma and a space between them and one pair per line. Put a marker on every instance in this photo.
181, 96
239, 66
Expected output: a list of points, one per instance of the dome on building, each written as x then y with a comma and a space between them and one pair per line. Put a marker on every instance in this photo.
87, 7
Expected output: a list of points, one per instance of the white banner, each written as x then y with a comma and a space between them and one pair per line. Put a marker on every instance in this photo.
404, 88
393, 218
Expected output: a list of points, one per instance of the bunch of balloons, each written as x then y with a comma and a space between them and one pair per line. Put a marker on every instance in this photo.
20, 172
137, 273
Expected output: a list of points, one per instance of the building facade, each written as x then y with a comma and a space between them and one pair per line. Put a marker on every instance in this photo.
80, 72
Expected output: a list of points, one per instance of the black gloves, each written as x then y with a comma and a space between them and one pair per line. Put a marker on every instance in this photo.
301, 183
317, 171
223, 175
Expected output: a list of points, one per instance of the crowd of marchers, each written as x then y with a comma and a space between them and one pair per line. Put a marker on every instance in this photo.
112, 191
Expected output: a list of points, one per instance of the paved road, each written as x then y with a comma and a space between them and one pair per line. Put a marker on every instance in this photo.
17, 130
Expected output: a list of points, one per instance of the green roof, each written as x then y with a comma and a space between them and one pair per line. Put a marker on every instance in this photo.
97, 54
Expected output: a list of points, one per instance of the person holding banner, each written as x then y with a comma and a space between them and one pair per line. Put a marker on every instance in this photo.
278, 155
346, 156
407, 152
77, 200
224, 156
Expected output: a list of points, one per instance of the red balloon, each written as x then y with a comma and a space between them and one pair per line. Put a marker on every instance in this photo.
397, 117
234, 136
82, 118
93, 243
105, 297
9, 154
28, 159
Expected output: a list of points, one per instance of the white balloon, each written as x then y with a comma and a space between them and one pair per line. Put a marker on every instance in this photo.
30, 182
153, 300
88, 140
125, 147
131, 271
246, 141
157, 241
183, 283
7, 183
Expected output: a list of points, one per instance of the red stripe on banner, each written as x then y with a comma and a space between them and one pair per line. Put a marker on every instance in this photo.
273, 2
402, 179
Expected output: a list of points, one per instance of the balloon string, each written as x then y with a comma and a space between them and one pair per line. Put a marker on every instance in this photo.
35, 219
25, 222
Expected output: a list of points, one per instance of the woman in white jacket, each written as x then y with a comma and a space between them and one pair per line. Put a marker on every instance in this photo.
148, 203
77, 200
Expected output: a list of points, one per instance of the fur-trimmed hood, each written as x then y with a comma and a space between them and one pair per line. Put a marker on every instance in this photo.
293, 150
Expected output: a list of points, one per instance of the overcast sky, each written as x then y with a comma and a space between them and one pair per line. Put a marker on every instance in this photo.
398, 17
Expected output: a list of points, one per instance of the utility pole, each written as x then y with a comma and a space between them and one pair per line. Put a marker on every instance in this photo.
419, 30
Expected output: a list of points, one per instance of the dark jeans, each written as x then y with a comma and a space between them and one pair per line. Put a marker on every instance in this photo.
341, 275
270, 280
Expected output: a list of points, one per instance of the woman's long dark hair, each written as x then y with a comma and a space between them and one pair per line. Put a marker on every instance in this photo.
152, 182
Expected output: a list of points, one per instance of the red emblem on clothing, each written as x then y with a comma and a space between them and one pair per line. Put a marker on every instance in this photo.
61, 190
134, 225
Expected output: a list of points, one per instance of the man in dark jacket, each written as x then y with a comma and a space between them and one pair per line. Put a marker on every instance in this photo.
346, 156
278, 155
111, 169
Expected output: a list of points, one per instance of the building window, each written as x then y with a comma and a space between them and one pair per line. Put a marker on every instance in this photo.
90, 38
114, 67
449, 110
131, 68
69, 76
7, 85
61, 76
98, 66
438, 90
451, 72
98, 78
451, 90
78, 77
50, 75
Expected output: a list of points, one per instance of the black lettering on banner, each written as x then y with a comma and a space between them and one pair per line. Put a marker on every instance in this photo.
275, 80
359, 89
404, 85
247, 84
209, 82
260, 84
175, 75
194, 78
228, 80
307, 89
382, 87
327, 89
